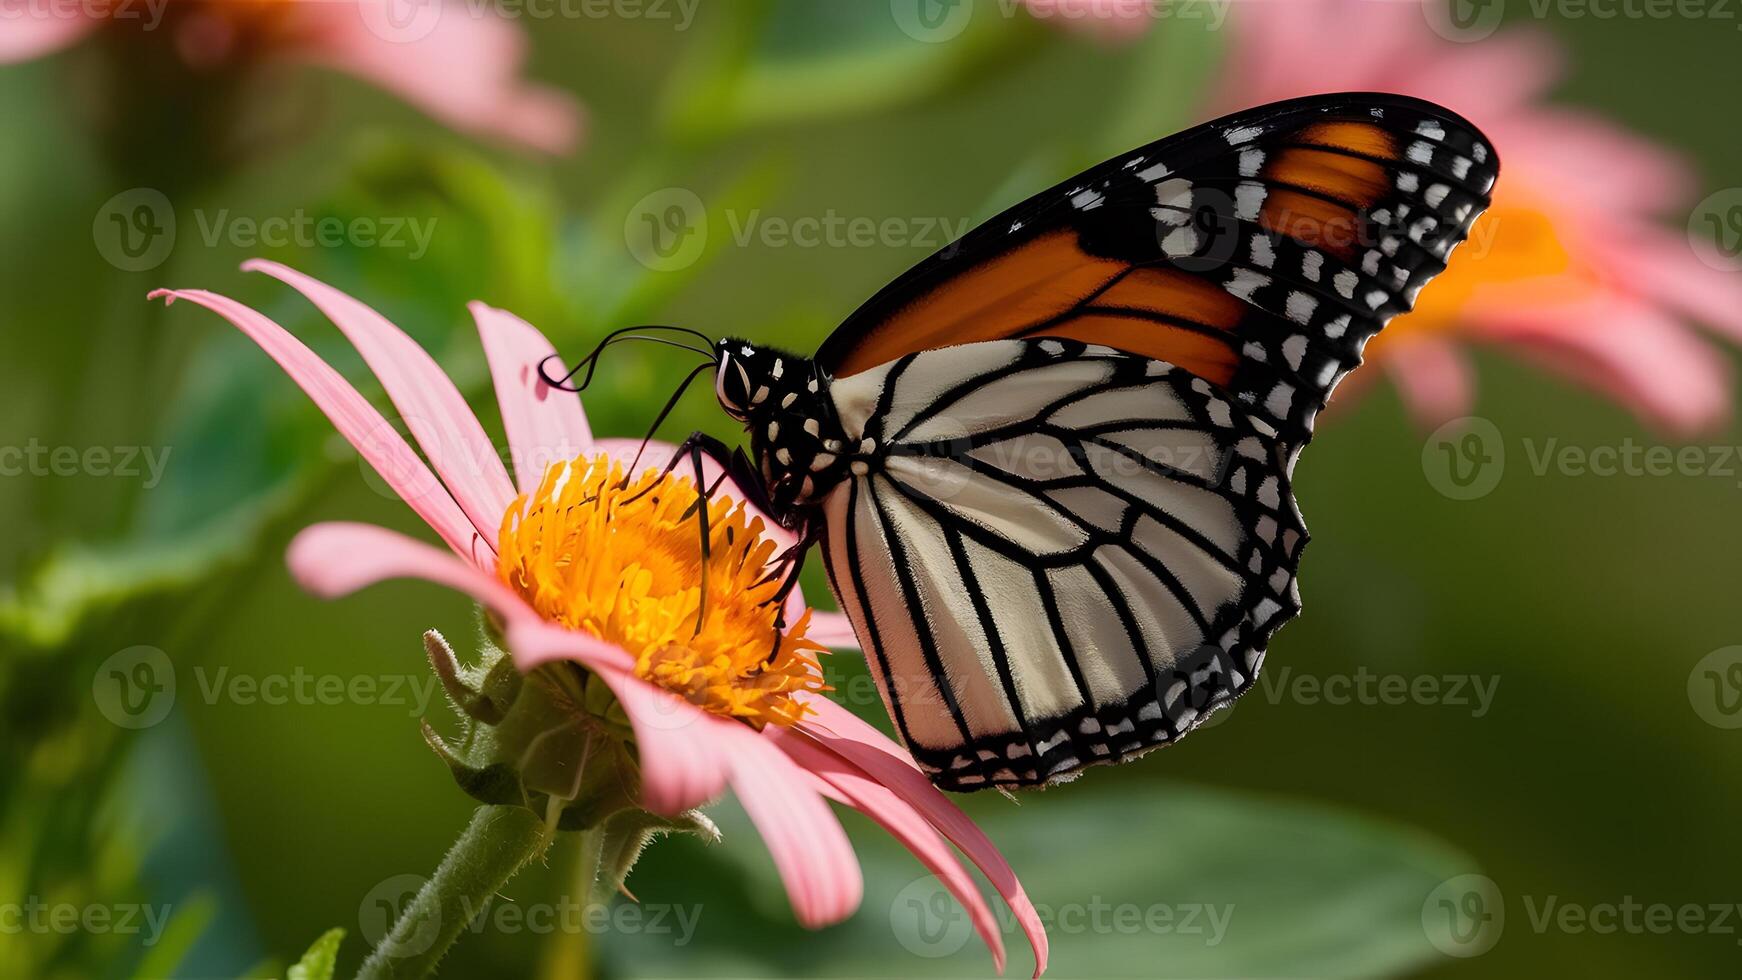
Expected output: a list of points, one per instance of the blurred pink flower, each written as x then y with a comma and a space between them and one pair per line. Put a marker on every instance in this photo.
783, 773
459, 64
1570, 268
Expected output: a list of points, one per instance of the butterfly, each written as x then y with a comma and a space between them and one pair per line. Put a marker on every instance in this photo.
1049, 467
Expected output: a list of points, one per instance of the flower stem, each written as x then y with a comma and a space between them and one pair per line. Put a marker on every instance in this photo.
495, 845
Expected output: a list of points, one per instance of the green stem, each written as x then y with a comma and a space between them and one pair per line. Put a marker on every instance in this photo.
495, 845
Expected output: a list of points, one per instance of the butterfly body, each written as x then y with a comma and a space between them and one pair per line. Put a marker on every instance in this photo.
784, 401
1050, 468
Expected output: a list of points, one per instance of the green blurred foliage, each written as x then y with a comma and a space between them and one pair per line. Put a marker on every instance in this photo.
1588, 601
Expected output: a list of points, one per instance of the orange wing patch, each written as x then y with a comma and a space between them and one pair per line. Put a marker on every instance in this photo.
1333, 187
1049, 287
1026, 285
1208, 357
1366, 139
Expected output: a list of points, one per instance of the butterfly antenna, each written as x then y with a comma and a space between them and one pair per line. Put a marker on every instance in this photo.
659, 420
590, 363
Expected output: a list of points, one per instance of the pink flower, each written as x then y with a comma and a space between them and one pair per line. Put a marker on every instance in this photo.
459, 65
689, 748
1570, 268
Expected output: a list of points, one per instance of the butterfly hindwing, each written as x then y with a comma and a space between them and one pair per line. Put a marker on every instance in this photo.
1259, 252
1071, 554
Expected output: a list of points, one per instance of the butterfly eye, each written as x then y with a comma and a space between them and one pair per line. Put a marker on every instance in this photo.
732, 387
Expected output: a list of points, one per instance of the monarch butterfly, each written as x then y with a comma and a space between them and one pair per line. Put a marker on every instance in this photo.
1049, 467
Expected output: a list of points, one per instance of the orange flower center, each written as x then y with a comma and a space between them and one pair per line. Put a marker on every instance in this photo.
622, 560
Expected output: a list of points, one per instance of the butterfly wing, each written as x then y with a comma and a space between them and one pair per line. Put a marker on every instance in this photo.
1084, 535
1071, 554
1259, 252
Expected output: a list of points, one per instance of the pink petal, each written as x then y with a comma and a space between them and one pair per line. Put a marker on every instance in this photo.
337, 558
856, 789
451, 60
1433, 377
681, 762
432, 407
357, 420
848, 736
545, 425
29, 34
809, 848
1594, 169
1642, 358
833, 629
1664, 267
1489, 79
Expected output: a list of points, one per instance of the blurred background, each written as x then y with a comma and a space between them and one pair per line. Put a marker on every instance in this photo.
1501, 740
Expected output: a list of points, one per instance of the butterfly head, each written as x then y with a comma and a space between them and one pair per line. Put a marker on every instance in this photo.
752, 382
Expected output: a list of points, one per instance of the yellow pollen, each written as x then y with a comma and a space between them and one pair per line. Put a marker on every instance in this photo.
622, 560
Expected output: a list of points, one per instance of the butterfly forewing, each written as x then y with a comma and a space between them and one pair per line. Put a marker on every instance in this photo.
1259, 252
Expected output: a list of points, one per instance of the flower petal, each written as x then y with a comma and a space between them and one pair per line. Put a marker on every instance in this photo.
681, 764
544, 424
337, 558
848, 736
832, 629
861, 792
1637, 355
356, 420
1433, 378
35, 35
432, 407
456, 63
809, 848
687, 758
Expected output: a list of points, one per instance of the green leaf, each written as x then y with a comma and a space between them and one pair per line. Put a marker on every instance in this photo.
321, 959
1134, 881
